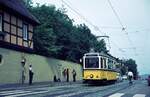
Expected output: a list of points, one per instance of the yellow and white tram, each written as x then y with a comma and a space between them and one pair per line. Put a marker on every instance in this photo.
99, 67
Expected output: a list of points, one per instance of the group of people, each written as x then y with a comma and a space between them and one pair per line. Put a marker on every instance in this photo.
65, 74
24, 71
30, 75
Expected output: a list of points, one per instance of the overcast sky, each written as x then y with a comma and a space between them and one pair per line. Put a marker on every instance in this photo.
133, 43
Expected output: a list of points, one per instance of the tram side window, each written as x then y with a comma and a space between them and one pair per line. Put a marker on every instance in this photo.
114, 65
101, 62
105, 63
110, 64
91, 63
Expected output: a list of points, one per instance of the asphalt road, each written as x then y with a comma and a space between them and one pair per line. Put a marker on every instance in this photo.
122, 89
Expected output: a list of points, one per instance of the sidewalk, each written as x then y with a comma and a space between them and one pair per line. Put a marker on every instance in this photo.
35, 85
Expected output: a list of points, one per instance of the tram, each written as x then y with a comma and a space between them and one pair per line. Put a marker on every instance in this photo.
99, 68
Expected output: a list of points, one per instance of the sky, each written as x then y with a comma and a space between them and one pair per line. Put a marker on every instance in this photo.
133, 42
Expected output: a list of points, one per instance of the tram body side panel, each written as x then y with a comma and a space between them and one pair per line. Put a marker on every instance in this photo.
99, 75
111, 75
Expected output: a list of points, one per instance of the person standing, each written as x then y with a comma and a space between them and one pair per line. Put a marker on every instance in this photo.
64, 73
74, 75
23, 74
30, 74
23, 71
67, 74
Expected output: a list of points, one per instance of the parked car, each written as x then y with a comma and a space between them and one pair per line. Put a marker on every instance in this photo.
148, 80
124, 77
119, 77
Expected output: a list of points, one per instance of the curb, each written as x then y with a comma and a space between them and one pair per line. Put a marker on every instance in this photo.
35, 85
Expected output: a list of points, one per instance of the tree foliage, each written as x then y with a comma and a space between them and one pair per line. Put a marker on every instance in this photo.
132, 66
123, 70
28, 3
58, 37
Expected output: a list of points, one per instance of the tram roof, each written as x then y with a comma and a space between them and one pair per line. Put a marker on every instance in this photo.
92, 54
101, 54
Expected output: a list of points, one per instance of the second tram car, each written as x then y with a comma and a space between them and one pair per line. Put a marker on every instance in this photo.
99, 67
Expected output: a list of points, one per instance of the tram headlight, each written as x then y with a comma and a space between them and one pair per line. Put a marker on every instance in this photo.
91, 75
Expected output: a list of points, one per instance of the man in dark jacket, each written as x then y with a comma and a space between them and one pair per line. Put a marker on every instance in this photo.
67, 74
30, 74
74, 75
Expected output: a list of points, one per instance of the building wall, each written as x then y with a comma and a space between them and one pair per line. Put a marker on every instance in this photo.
44, 68
13, 27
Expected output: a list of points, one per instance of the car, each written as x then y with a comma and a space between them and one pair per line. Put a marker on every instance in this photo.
124, 77
148, 80
119, 77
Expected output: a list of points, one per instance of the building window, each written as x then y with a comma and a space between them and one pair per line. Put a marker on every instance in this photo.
0, 22
25, 32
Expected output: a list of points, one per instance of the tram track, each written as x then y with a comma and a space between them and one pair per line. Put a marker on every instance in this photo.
103, 90
122, 88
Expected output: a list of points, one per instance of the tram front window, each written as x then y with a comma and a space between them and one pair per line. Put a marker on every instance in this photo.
91, 63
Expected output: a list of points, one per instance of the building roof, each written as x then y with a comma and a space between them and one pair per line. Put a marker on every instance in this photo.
19, 7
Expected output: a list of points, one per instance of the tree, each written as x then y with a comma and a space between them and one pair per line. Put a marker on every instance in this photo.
123, 70
100, 46
44, 40
28, 3
132, 66
58, 37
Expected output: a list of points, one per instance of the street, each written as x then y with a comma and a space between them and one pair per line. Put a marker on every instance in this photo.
122, 89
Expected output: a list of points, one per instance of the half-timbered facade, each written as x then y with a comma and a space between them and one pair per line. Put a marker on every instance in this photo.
16, 25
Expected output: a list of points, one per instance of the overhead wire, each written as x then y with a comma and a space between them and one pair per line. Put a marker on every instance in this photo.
116, 14
123, 28
84, 18
94, 26
66, 3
